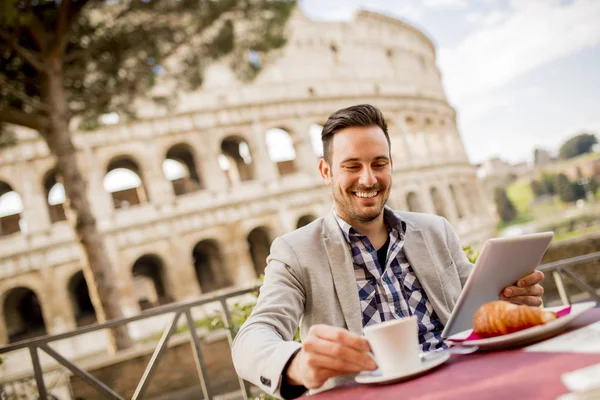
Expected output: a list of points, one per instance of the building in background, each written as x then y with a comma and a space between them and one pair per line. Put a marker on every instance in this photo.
189, 201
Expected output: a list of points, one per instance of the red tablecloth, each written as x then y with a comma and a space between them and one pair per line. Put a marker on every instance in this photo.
510, 374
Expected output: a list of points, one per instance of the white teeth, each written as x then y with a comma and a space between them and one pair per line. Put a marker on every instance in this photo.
366, 194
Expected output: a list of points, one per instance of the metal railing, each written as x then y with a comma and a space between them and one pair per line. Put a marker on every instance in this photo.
179, 310
559, 269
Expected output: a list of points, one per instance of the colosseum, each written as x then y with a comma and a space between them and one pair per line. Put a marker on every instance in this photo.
190, 201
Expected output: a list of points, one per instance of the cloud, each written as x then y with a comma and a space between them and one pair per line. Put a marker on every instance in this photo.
502, 47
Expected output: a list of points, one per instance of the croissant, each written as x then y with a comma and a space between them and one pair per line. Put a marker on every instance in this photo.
501, 317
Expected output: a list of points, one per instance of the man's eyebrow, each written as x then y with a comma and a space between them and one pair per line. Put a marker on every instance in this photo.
355, 159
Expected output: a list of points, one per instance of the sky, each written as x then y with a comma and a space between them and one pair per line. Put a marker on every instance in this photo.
522, 74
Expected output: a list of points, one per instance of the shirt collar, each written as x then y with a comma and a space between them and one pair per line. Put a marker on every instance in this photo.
390, 218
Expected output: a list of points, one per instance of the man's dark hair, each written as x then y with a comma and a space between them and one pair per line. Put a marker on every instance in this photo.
360, 115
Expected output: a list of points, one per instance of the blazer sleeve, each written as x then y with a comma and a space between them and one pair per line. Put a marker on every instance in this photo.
264, 343
463, 265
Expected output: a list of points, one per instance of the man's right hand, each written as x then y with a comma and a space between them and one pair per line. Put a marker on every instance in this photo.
326, 352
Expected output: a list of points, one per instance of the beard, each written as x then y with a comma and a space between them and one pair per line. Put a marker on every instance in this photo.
345, 203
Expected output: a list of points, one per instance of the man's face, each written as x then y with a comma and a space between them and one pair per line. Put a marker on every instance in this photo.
360, 173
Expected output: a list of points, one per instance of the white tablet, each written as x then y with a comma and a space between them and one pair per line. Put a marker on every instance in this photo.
501, 263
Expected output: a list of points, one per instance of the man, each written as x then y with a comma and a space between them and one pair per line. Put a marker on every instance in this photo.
359, 265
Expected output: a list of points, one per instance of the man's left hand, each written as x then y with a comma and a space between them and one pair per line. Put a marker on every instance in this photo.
526, 291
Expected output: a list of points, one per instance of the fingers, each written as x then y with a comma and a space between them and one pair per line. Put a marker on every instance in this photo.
513, 291
531, 279
333, 353
341, 336
318, 361
526, 300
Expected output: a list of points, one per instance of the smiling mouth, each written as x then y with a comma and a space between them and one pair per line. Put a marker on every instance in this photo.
366, 195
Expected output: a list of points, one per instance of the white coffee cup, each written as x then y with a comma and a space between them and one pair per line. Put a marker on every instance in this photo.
395, 345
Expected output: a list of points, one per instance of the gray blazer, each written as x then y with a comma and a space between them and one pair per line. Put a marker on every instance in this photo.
309, 280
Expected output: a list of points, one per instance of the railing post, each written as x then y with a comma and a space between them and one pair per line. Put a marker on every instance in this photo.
39, 375
140, 391
228, 324
200, 364
560, 286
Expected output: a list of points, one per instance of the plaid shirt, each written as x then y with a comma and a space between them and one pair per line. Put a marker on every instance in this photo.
391, 291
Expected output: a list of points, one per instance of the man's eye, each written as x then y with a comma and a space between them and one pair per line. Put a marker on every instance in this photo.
380, 165
352, 167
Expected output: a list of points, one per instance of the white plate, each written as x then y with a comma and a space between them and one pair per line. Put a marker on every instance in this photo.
374, 378
526, 336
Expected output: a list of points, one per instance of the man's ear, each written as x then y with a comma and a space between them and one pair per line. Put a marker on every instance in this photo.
325, 171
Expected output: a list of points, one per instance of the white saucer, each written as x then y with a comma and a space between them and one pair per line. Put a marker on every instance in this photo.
375, 378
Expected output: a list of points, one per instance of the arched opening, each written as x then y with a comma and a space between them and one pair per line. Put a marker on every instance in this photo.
259, 241
438, 202
467, 195
210, 266
305, 220
11, 208
55, 197
147, 274
179, 167
457, 204
315, 130
411, 125
236, 160
413, 202
123, 180
429, 126
280, 147
83, 308
23, 315
333, 53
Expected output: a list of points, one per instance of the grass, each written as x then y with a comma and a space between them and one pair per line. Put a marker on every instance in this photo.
521, 195
522, 218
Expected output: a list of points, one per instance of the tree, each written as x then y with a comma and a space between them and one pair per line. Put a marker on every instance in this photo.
565, 188
505, 208
577, 145
75, 60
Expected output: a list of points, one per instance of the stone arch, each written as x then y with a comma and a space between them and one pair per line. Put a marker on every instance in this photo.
180, 168
469, 198
11, 207
460, 212
414, 202
305, 220
83, 309
148, 281
22, 313
55, 196
259, 242
280, 146
428, 126
438, 202
236, 159
209, 264
124, 181
412, 126
314, 131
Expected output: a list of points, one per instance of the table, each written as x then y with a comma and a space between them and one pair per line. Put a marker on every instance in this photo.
508, 374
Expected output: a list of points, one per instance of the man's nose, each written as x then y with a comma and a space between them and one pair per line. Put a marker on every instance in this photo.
367, 177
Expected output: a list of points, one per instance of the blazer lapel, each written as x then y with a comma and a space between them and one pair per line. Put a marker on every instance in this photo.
342, 270
421, 261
